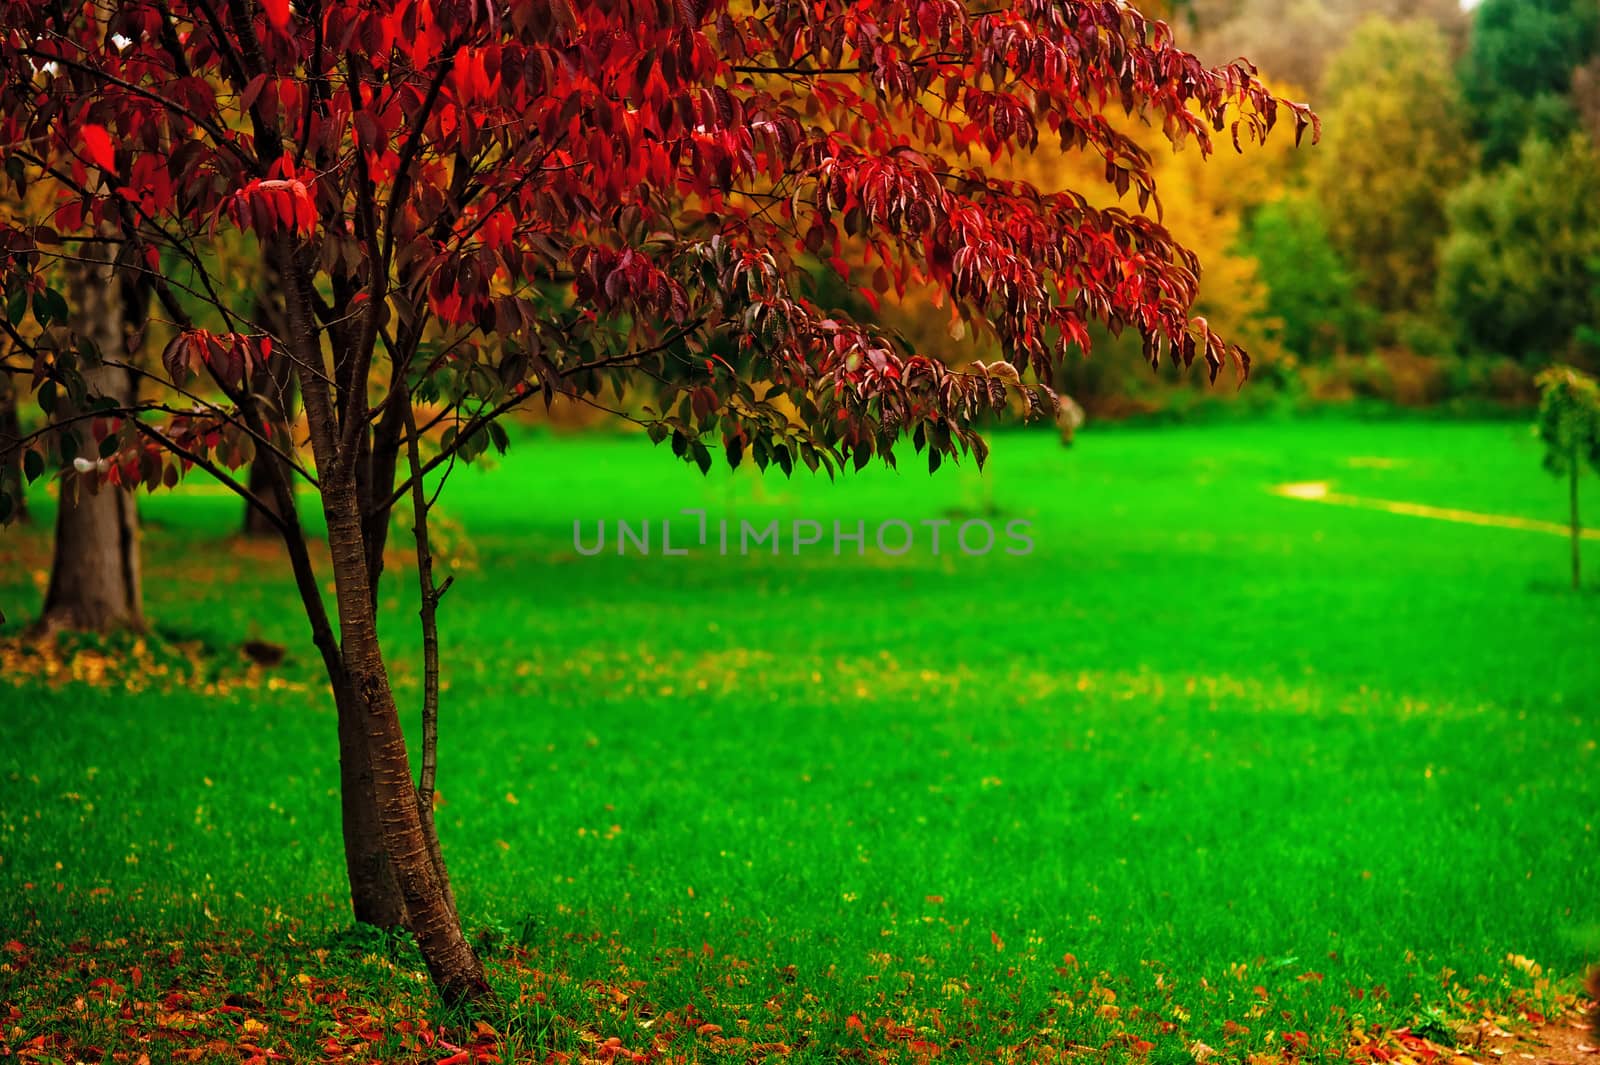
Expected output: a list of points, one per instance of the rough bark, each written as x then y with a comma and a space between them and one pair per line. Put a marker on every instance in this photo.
95, 582
375, 477
11, 479
374, 894
370, 707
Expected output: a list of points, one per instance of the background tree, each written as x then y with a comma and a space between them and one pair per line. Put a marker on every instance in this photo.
11, 480
1586, 97
1295, 40
1515, 269
96, 583
426, 174
1391, 95
1203, 202
1569, 426
1311, 297
1518, 71
272, 391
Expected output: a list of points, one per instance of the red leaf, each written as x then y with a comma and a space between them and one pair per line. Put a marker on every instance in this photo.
97, 147
277, 12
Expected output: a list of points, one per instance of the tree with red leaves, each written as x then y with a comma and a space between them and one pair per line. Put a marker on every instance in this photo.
477, 203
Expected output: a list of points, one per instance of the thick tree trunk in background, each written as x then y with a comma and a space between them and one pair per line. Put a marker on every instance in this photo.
94, 575
272, 388
11, 479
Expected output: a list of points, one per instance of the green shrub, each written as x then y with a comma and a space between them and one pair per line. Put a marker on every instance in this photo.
1311, 292
1514, 271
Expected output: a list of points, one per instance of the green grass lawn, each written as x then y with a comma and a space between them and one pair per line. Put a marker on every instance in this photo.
1209, 765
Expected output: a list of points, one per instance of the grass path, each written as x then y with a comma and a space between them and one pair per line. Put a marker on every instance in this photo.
1319, 492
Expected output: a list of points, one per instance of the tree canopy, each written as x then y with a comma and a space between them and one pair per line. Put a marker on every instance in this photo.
1392, 96
1517, 271
470, 204
1519, 69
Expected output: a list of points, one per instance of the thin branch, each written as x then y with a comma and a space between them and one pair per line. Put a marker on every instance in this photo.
408, 155
17, 443
134, 235
353, 375
428, 612
224, 43
430, 621
215, 471
167, 102
28, 348
261, 439
480, 421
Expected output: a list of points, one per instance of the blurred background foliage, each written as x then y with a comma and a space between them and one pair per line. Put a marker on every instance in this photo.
1438, 248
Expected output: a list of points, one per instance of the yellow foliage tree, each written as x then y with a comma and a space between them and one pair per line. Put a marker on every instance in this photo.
1204, 202
1396, 145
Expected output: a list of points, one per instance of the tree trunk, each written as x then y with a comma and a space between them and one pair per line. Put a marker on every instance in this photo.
369, 707
94, 574
1577, 523
12, 483
272, 390
374, 894
432, 920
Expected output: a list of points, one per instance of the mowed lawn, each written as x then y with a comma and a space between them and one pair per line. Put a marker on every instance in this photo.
1209, 765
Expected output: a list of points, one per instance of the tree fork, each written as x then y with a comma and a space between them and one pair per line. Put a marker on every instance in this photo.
455, 968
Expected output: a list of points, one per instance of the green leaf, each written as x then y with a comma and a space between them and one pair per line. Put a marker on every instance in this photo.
89, 352
56, 303
32, 465
17, 174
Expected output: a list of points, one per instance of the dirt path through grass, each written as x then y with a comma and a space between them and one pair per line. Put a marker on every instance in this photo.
1319, 492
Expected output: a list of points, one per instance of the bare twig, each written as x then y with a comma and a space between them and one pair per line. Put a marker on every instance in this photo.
428, 613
